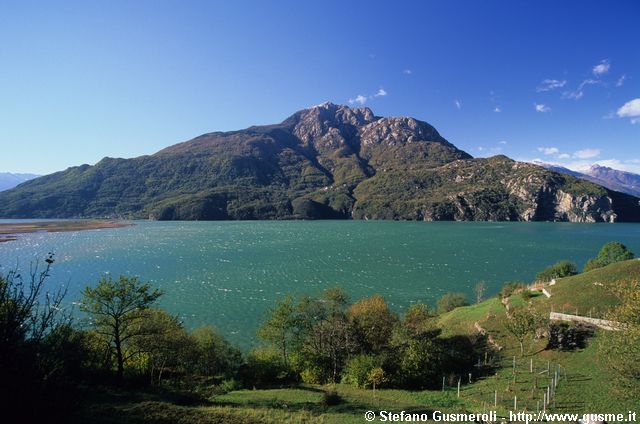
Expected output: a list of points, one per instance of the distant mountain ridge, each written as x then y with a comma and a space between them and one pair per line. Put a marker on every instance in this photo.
10, 180
613, 179
326, 162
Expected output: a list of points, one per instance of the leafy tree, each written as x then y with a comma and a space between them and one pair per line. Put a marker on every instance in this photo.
450, 301
419, 320
279, 327
214, 355
609, 253
324, 335
558, 270
620, 349
613, 252
163, 342
376, 378
372, 322
520, 323
116, 307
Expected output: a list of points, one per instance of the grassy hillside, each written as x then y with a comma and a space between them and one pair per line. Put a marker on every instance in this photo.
587, 386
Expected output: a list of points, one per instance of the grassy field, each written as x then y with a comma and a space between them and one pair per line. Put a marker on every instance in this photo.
300, 404
584, 386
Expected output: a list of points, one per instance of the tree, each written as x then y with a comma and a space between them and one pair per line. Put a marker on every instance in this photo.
558, 270
621, 348
520, 323
480, 290
214, 355
116, 307
40, 353
324, 338
376, 377
450, 301
372, 322
419, 320
609, 253
163, 343
279, 327
613, 252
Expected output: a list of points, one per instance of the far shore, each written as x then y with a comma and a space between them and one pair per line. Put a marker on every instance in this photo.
9, 231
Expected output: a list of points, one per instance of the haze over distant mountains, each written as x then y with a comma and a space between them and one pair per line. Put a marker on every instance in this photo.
622, 181
10, 180
325, 162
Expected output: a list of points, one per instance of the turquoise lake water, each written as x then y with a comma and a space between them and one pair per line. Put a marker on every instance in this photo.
229, 273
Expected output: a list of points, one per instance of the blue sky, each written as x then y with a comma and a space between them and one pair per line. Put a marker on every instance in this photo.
558, 81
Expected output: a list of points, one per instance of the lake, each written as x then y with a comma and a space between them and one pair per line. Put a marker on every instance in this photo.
229, 273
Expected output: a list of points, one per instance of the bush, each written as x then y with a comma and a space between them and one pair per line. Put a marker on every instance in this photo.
591, 265
358, 369
510, 288
558, 270
264, 366
450, 301
526, 295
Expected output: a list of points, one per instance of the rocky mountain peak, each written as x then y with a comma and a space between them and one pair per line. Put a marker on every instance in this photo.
329, 118
399, 130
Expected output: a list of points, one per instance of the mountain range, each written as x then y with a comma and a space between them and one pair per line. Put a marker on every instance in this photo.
325, 162
10, 180
613, 179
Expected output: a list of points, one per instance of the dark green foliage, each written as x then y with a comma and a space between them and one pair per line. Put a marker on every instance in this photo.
214, 355
41, 355
450, 301
591, 265
264, 367
610, 253
526, 295
558, 270
569, 337
613, 252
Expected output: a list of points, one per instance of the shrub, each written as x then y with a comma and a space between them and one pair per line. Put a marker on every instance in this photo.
264, 366
358, 369
450, 301
558, 270
591, 265
510, 288
526, 295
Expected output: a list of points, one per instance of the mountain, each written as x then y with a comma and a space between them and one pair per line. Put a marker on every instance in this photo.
9, 180
613, 179
625, 182
328, 161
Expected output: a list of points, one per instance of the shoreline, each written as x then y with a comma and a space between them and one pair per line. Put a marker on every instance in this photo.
11, 230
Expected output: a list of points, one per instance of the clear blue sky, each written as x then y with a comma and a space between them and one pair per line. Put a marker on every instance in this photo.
552, 80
